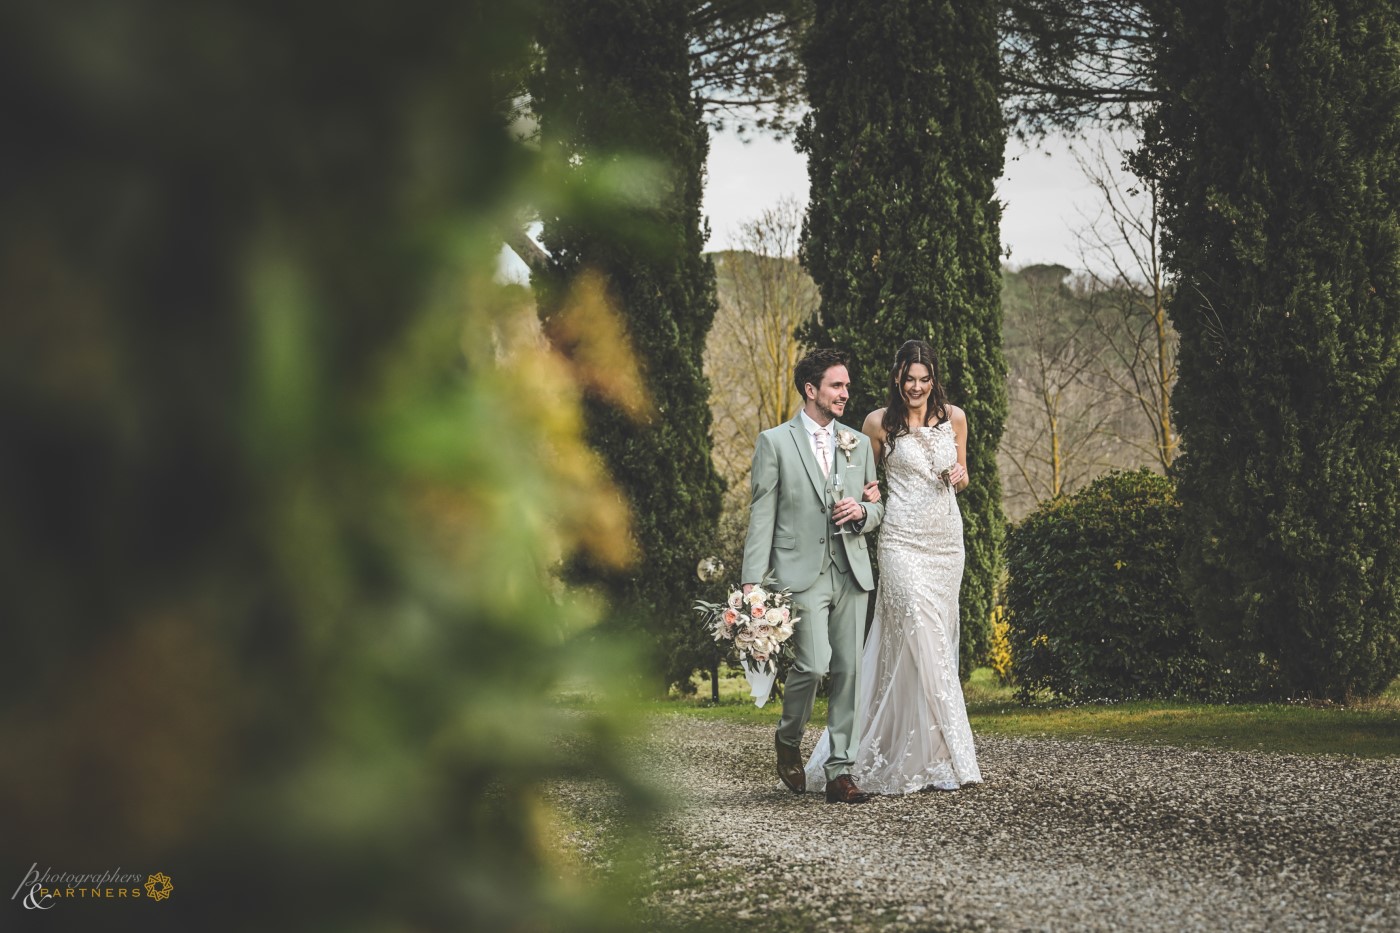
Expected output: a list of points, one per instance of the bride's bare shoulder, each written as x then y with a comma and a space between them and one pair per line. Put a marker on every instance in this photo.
874, 424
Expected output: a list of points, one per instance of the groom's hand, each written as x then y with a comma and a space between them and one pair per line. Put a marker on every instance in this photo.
747, 587
847, 510
872, 491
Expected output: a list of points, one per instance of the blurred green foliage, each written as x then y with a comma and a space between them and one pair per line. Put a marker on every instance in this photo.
285, 470
1095, 608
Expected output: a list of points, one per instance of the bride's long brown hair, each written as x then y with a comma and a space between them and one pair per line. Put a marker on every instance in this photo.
896, 420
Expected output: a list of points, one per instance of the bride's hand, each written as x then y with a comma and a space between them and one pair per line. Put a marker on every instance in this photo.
957, 475
872, 491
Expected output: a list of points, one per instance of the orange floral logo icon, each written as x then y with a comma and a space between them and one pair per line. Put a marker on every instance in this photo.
158, 886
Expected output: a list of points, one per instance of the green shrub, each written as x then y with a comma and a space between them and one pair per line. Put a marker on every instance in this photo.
1095, 602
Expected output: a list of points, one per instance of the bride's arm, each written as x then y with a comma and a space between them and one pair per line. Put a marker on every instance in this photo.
874, 428
874, 508
959, 419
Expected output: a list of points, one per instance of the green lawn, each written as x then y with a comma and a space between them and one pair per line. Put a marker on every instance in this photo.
1369, 730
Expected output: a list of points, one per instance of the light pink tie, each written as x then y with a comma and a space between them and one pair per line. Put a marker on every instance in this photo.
821, 452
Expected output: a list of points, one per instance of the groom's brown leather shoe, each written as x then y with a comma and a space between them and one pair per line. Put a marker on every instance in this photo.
790, 766
843, 790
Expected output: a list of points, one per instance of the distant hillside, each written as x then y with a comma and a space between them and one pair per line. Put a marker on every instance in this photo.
1069, 419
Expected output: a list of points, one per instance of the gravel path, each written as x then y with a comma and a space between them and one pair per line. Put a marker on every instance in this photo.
1063, 835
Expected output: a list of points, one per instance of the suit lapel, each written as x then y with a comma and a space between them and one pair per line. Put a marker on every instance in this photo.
809, 459
854, 486
845, 465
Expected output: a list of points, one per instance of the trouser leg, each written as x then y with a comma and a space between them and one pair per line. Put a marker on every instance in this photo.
812, 655
845, 631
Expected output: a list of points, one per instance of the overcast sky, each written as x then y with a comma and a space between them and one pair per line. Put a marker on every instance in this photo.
1046, 197
1045, 194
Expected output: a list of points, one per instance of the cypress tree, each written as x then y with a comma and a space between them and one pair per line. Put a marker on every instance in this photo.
1276, 146
616, 109
905, 141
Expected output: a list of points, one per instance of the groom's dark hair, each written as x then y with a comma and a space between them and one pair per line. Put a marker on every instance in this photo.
814, 365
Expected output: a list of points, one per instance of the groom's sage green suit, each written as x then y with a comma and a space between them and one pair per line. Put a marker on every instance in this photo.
791, 534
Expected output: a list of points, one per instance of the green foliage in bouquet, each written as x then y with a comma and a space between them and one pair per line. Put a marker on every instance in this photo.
1277, 150
904, 144
617, 111
1094, 597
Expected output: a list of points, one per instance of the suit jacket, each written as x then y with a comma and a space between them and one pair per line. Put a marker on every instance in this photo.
790, 524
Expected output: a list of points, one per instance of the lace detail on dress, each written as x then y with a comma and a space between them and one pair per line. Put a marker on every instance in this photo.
913, 721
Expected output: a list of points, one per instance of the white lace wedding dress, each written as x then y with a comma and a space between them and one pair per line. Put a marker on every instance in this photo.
914, 732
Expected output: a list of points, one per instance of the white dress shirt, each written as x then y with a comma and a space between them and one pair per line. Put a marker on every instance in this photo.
812, 428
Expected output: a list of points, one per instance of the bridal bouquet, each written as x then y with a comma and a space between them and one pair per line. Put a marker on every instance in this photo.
757, 623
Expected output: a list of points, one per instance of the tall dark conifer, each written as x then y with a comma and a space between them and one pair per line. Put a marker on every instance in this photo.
904, 145
1278, 148
617, 111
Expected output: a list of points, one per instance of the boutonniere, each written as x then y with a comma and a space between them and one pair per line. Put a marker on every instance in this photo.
847, 441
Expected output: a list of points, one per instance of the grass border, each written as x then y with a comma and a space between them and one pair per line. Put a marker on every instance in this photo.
1364, 730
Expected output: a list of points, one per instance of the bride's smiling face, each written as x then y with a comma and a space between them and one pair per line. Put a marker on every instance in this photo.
917, 385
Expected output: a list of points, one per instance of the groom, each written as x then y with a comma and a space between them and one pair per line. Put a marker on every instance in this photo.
792, 522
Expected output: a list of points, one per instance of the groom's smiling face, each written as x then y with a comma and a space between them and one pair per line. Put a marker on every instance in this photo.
831, 395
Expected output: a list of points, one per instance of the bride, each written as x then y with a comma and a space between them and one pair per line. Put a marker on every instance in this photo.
914, 733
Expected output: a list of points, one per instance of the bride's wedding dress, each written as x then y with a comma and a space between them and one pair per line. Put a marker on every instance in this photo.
914, 732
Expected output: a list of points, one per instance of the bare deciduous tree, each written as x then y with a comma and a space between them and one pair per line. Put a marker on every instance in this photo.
1129, 301
1069, 63
1062, 426
764, 294
743, 62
